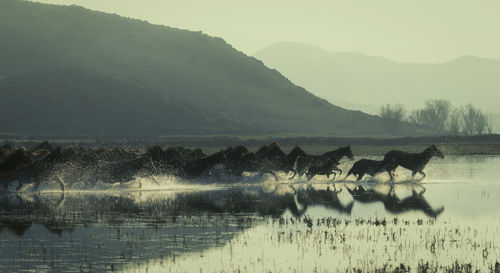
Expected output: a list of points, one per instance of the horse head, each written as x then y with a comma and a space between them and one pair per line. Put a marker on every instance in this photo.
348, 152
434, 151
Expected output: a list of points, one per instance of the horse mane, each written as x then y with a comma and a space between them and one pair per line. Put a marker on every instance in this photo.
430, 149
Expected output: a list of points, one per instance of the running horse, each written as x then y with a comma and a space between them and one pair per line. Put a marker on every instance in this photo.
304, 162
414, 162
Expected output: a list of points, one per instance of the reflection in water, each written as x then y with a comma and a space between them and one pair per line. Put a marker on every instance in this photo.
394, 204
268, 227
111, 231
63, 211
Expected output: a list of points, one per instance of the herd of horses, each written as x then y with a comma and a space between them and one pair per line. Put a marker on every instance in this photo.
44, 162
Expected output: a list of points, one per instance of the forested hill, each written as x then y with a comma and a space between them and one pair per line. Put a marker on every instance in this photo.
159, 80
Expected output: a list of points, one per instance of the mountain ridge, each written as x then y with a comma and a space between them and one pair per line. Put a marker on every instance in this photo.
352, 78
222, 83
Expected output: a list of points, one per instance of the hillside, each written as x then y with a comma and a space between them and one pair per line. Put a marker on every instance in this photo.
228, 92
80, 102
351, 79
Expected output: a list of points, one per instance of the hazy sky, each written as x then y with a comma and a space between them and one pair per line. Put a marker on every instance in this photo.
410, 31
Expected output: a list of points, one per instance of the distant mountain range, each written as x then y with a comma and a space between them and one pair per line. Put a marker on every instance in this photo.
67, 70
358, 81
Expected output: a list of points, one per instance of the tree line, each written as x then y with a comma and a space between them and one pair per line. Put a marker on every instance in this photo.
441, 116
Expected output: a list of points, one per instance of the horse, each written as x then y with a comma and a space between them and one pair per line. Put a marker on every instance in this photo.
304, 162
415, 162
325, 168
270, 151
365, 166
339, 153
196, 167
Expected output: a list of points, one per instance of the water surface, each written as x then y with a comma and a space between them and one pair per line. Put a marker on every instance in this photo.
449, 220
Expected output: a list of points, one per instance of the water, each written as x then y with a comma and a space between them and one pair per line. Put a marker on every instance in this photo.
448, 221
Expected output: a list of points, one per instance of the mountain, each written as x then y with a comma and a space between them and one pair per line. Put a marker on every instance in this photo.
172, 81
80, 102
365, 82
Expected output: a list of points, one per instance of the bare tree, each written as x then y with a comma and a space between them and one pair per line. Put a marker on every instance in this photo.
416, 117
435, 114
489, 125
454, 121
474, 121
440, 116
394, 112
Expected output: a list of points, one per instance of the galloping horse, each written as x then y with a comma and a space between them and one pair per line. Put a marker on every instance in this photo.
326, 168
304, 162
365, 166
415, 162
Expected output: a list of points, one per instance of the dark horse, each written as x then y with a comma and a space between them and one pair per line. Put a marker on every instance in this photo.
304, 162
326, 168
415, 162
365, 166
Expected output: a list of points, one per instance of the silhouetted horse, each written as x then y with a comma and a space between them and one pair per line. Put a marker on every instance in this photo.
292, 157
415, 162
240, 160
304, 162
270, 151
13, 164
196, 167
327, 168
365, 166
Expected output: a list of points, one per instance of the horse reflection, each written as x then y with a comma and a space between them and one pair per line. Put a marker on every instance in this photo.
24, 217
303, 198
394, 204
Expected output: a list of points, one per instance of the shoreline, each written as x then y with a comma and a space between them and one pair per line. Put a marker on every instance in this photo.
451, 145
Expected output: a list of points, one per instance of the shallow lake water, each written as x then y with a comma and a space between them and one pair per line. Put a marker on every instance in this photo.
449, 221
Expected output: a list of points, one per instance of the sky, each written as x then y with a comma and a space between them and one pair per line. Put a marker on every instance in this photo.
427, 31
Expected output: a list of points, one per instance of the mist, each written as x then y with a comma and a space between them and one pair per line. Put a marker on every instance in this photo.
422, 31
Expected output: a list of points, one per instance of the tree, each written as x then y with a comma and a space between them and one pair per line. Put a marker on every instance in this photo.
454, 121
394, 112
489, 126
435, 114
416, 116
440, 116
474, 121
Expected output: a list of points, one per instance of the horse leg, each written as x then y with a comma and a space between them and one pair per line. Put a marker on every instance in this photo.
294, 173
413, 173
310, 176
301, 173
61, 182
422, 173
360, 176
19, 185
391, 175
274, 175
391, 191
